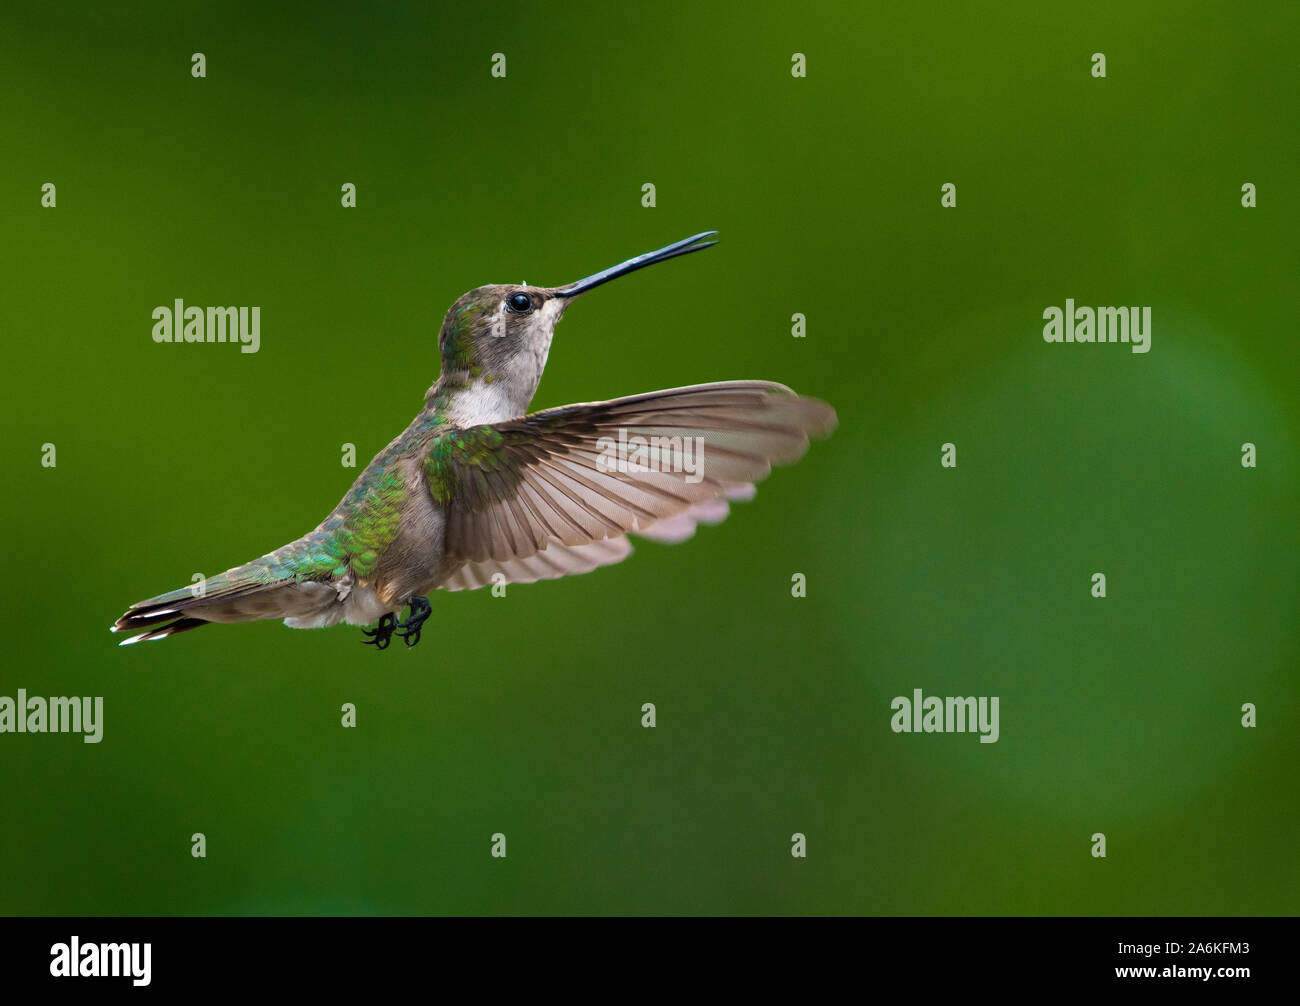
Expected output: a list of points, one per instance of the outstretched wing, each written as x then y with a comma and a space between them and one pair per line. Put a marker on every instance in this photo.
557, 491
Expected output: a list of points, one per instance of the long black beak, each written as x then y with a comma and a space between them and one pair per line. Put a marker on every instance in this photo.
682, 247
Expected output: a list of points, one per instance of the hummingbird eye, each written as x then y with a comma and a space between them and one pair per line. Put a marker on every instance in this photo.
520, 303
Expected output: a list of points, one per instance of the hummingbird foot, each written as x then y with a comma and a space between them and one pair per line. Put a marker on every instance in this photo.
382, 632
420, 611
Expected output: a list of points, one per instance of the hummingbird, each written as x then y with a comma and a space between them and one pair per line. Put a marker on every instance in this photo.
477, 490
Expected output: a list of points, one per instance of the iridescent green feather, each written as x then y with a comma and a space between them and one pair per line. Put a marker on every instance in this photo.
371, 526
459, 451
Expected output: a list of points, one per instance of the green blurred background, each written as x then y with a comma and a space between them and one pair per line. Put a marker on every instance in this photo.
522, 715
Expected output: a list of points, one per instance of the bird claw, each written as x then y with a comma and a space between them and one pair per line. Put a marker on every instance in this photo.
382, 634
410, 629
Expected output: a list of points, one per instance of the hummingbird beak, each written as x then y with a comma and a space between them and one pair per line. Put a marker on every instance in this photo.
682, 247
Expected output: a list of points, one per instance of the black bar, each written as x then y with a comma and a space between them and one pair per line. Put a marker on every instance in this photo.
923, 955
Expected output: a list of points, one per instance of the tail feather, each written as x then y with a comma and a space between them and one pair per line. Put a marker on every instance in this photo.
181, 610
244, 594
170, 629
144, 618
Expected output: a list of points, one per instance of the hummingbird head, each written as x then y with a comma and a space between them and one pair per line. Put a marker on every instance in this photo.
495, 339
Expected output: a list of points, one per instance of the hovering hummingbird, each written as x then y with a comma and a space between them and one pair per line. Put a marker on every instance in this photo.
475, 492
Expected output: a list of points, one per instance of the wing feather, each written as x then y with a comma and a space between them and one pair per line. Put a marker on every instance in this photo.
543, 496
